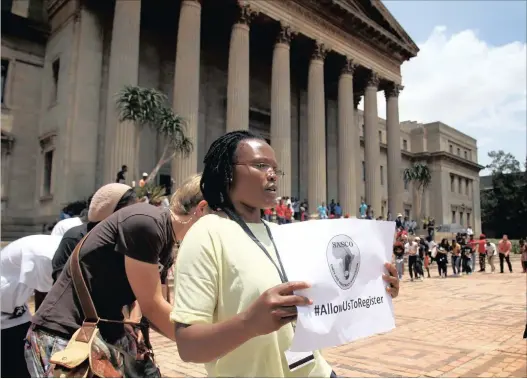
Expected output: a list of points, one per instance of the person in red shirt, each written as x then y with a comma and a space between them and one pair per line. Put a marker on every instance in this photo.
288, 215
280, 212
268, 214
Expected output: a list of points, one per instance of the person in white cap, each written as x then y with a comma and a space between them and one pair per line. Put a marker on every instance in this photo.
399, 221
142, 182
25, 268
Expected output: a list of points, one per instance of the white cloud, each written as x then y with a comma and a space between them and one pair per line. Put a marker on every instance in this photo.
474, 87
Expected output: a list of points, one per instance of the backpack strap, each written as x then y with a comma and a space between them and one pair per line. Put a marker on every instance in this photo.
88, 308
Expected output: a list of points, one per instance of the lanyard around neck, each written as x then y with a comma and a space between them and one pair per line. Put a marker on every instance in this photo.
249, 232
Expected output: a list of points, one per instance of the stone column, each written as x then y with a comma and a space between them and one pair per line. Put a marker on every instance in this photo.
371, 145
395, 180
281, 108
348, 142
186, 85
357, 125
316, 128
238, 80
123, 70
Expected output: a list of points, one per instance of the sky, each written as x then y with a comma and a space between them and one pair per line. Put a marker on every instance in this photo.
470, 72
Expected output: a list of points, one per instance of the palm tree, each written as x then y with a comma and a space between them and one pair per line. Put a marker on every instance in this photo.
420, 177
146, 107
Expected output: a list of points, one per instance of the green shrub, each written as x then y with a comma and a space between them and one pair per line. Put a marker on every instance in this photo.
155, 193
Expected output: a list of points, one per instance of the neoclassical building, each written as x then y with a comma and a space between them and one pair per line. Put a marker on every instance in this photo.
293, 71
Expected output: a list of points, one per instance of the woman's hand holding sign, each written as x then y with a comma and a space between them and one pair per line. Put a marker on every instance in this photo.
275, 308
392, 279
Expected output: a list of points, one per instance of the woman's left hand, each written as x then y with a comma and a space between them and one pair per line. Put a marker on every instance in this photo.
392, 279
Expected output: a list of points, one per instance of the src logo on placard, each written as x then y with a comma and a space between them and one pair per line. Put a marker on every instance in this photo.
343, 257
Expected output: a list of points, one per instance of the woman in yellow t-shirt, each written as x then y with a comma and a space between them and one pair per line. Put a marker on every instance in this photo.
233, 306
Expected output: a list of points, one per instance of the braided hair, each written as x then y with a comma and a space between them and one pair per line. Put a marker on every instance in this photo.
219, 169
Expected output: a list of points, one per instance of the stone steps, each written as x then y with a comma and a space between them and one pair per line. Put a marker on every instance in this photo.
14, 228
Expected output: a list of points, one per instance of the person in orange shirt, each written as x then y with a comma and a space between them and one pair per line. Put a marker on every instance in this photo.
504, 250
142, 182
456, 258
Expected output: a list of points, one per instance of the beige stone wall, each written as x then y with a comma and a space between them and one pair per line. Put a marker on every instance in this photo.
20, 118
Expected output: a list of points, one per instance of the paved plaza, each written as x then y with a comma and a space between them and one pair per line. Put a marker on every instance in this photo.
455, 327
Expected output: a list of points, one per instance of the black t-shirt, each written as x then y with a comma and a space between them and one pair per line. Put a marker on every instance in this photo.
466, 250
140, 231
120, 177
68, 243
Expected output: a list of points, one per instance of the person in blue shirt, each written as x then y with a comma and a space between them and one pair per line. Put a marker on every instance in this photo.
322, 211
362, 209
338, 210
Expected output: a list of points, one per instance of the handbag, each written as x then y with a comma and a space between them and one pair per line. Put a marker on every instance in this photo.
88, 355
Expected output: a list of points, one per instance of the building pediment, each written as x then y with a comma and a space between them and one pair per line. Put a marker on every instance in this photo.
372, 18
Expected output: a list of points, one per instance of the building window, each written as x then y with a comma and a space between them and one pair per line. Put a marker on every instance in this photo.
5, 65
468, 219
466, 154
451, 149
459, 181
467, 182
48, 171
405, 185
461, 218
407, 213
405, 144
380, 136
362, 130
55, 67
453, 217
363, 171
452, 184
382, 175
458, 151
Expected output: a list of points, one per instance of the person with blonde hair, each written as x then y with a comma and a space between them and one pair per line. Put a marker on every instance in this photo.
124, 258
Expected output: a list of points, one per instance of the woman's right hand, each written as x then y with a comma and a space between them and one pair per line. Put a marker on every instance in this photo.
275, 308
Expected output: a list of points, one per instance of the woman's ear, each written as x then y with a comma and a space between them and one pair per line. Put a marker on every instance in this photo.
202, 208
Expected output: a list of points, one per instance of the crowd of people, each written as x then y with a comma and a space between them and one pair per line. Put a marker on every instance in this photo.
462, 253
102, 285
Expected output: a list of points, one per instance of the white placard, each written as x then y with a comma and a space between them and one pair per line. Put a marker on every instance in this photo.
343, 260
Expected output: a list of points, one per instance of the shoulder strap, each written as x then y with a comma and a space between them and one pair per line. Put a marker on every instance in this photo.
90, 313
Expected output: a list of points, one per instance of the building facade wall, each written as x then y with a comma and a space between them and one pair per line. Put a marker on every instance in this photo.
71, 112
20, 119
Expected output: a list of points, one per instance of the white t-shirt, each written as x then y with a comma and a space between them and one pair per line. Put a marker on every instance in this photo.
64, 225
25, 266
414, 248
432, 246
491, 250
470, 232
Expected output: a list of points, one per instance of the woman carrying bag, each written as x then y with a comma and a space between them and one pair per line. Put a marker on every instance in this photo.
124, 258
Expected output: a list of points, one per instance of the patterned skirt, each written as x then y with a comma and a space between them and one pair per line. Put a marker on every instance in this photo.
41, 345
